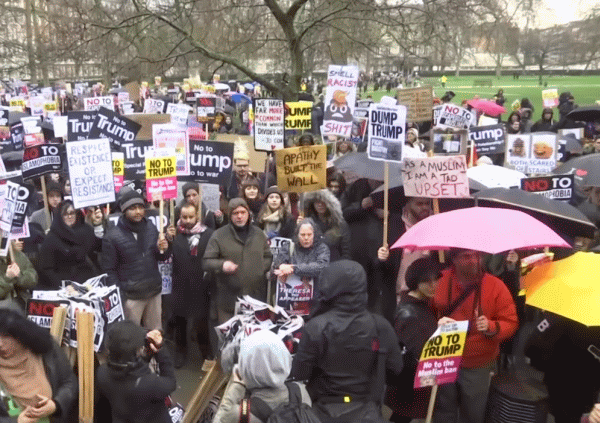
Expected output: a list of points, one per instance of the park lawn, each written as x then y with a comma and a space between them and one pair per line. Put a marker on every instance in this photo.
585, 89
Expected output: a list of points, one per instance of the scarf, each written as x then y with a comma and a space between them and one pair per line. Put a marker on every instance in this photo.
272, 222
23, 375
139, 228
193, 235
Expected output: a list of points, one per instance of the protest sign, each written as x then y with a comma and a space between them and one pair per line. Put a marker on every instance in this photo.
5, 138
487, 121
60, 125
134, 160
32, 124
257, 158
360, 121
453, 116
294, 294
8, 199
34, 139
161, 177
448, 142
152, 105
340, 99
42, 159
555, 187
179, 113
278, 245
435, 177
386, 132
268, 124
302, 169
40, 311
17, 134
118, 165
123, 97
36, 105
90, 172
488, 139
206, 108
441, 356
96, 103
437, 111
550, 97
146, 121
173, 137
298, 114
418, 102
17, 104
532, 153
577, 132
79, 125
210, 162
116, 128
24, 197
211, 196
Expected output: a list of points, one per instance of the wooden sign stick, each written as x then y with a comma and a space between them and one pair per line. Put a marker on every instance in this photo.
46, 206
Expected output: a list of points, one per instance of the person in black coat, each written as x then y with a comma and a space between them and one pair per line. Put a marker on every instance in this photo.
65, 253
273, 217
190, 287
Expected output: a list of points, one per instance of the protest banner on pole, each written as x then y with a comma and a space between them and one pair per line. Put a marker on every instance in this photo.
269, 124
173, 137
555, 187
117, 129
96, 103
8, 198
435, 177
118, 165
532, 153
24, 197
302, 169
455, 117
550, 97
298, 115
161, 178
418, 102
210, 162
206, 108
79, 125
154, 106
134, 159
448, 142
17, 134
488, 139
386, 132
42, 159
179, 113
340, 99
90, 172
360, 123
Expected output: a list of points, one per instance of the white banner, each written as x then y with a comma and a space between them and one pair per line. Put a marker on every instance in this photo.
94, 103
386, 132
340, 99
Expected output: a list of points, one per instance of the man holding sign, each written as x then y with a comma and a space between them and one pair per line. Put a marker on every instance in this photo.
466, 292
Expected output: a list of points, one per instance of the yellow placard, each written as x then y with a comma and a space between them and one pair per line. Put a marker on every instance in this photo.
302, 169
50, 106
161, 167
298, 115
444, 345
118, 167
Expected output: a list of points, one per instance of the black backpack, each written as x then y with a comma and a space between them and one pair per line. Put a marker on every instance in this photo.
295, 411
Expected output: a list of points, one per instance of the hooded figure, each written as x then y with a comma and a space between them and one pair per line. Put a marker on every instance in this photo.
546, 122
344, 349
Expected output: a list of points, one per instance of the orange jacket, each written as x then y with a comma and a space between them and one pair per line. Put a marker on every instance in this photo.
495, 303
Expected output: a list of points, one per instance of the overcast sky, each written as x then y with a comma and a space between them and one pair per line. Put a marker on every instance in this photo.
563, 11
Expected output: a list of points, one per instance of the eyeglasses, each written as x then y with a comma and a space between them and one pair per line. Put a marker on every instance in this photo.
70, 213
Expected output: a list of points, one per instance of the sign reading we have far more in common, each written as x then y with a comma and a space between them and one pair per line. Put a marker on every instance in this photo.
436, 177
268, 124
302, 169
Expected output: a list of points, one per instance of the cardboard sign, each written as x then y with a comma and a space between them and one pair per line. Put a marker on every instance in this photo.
90, 172
441, 356
96, 103
298, 115
448, 142
36, 105
117, 129
550, 97
418, 102
340, 99
302, 169
556, 187
210, 162
436, 177
152, 105
60, 125
386, 132
294, 294
268, 124
8, 199
488, 139
206, 108
278, 244
532, 153
40, 311
123, 97
118, 165
42, 159
173, 137
79, 125
135, 159
211, 196
24, 197
452, 116
360, 122
161, 178
179, 113
34, 139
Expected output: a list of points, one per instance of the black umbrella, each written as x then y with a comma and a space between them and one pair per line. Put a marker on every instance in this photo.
591, 211
15, 117
562, 217
117, 90
585, 114
361, 165
585, 168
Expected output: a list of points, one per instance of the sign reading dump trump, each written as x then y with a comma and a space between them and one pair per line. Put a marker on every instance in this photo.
436, 177
441, 355
302, 169
386, 132
90, 172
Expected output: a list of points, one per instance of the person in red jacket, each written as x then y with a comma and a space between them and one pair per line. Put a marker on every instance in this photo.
490, 310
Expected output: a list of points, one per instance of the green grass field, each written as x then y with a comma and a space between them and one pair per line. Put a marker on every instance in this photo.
586, 89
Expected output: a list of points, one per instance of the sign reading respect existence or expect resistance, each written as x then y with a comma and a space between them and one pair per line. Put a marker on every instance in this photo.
386, 132
302, 169
269, 124
436, 177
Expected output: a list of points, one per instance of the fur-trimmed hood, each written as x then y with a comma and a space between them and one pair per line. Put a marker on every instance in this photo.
330, 200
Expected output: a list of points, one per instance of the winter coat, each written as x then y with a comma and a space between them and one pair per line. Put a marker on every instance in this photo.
190, 287
65, 254
17, 289
337, 354
495, 302
132, 264
63, 383
542, 124
336, 233
137, 395
253, 258
208, 217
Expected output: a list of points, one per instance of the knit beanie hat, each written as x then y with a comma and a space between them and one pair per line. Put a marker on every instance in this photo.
123, 340
188, 186
130, 198
234, 203
52, 186
249, 182
274, 190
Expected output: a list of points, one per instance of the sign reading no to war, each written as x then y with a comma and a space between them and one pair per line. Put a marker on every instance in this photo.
386, 132
298, 115
268, 124
95, 103
302, 169
441, 356
90, 172
161, 177
436, 177
210, 162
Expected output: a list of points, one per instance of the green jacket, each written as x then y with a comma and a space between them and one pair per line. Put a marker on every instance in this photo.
19, 286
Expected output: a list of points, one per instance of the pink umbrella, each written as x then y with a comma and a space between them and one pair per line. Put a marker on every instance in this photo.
488, 107
486, 229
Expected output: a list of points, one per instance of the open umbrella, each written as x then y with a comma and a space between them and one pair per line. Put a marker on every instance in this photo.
486, 229
558, 215
248, 86
239, 97
488, 107
220, 86
495, 176
585, 114
585, 168
565, 288
360, 164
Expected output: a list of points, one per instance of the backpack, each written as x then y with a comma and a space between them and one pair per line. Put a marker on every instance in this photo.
295, 411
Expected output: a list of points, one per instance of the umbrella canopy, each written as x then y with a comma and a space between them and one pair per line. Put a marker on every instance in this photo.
585, 168
495, 176
248, 86
488, 107
558, 215
117, 90
565, 288
15, 117
239, 97
486, 229
360, 164
586, 114
220, 86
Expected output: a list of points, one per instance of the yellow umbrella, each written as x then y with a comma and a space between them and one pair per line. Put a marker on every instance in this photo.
567, 287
